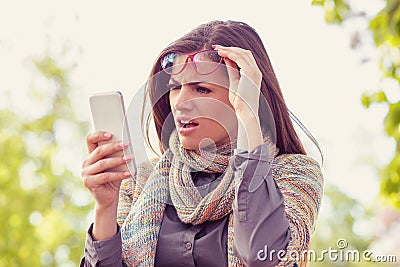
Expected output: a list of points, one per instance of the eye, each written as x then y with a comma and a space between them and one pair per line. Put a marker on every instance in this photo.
202, 90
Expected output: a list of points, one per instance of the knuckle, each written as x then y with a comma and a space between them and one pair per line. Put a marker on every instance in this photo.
84, 163
88, 137
101, 164
86, 182
105, 177
91, 137
98, 151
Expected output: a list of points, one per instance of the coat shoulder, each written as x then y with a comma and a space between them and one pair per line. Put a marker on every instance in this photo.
302, 165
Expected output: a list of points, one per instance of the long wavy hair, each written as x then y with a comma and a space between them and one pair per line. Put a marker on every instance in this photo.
225, 33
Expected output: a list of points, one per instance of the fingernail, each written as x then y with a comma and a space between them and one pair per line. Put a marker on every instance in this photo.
122, 144
127, 158
127, 174
107, 135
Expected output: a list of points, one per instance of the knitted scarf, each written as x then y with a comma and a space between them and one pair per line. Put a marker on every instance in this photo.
171, 183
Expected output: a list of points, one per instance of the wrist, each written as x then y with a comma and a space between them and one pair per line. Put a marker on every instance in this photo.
105, 222
109, 208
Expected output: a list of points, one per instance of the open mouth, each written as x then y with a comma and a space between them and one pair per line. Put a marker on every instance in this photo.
188, 124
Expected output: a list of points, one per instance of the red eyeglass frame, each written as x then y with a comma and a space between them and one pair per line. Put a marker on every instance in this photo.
191, 56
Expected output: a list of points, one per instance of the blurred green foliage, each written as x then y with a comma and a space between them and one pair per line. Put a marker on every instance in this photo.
385, 30
42, 220
341, 223
335, 10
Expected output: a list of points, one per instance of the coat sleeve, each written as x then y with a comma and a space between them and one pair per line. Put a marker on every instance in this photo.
300, 179
105, 253
275, 206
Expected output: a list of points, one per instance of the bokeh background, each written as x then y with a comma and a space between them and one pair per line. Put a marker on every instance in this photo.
338, 63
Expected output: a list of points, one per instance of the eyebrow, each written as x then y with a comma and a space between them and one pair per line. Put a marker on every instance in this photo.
176, 82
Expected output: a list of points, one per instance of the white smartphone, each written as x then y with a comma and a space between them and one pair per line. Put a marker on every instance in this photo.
108, 114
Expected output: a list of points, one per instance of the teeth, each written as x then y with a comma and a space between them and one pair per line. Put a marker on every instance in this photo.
184, 122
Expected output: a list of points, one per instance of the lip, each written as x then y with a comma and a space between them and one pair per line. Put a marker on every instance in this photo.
185, 131
178, 120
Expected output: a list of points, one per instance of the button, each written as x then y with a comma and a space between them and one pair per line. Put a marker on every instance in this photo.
204, 187
188, 245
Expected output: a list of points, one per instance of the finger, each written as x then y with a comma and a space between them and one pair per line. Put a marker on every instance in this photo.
104, 150
234, 76
93, 139
245, 60
239, 52
242, 57
93, 181
105, 164
233, 73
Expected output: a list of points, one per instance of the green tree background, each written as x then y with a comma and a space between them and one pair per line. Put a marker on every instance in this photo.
385, 31
46, 224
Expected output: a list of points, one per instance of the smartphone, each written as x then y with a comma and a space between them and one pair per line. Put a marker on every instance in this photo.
108, 114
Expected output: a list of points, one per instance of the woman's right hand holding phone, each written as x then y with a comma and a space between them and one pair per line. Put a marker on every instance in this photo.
102, 183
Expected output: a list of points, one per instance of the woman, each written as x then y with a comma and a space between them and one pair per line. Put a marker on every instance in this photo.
228, 189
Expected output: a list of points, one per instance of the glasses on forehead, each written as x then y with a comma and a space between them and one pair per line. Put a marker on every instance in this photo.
204, 62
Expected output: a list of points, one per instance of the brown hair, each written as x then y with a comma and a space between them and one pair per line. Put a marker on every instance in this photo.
225, 33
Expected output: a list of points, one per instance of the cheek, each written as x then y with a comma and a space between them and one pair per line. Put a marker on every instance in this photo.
218, 111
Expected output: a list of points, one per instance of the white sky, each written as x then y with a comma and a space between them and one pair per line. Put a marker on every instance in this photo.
115, 43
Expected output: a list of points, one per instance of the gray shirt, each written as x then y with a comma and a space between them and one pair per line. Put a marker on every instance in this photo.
259, 219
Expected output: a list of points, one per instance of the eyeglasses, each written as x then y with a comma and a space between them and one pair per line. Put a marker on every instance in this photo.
204, 62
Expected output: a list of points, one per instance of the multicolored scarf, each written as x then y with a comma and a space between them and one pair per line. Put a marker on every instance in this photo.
171, 182
167, 180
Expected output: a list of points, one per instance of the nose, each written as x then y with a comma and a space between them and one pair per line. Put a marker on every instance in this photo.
183, 99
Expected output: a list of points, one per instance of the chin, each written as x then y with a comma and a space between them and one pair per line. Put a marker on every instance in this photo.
194, 143
187, 143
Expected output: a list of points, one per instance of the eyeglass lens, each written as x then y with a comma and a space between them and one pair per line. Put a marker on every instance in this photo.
204, 62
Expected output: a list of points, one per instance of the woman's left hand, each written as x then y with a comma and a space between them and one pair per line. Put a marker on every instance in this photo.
244, 84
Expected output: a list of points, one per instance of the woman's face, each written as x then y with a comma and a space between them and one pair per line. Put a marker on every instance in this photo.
200, 105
